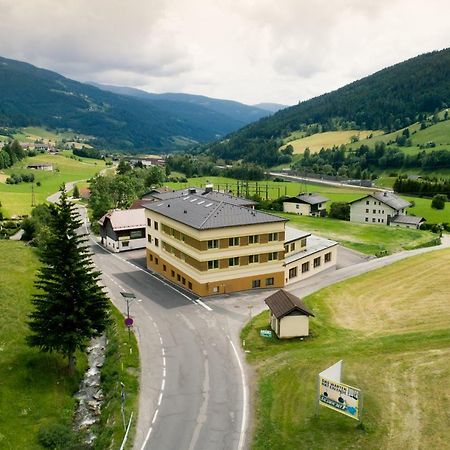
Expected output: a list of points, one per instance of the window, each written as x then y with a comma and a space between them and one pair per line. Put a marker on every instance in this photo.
178, 277
253, 239
156, 261
214, 264
183, 280
273, 237
367, 202
316, 262
297, 206
125, 244
366, 219
374, 211
303, 242
215, 289
149, 238
151, 257
149, 222
273, 256
156, 242
190, 285
305, 267
269, 281
164, 267
293, 272
156, 225
367, 211
256, 284
292, 247
213, 243
373, 219
233, 261
233, 241
327, 257
172, 273
253, 259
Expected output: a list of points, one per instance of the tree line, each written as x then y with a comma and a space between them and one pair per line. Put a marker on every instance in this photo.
11, 153
422, 187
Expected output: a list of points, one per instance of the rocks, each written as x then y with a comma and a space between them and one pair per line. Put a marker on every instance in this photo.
90, 396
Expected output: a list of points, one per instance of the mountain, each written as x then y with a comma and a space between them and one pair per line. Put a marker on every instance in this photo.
390, 99
240, 112
271, 107
34, 96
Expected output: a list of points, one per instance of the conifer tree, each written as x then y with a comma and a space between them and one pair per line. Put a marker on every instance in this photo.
70, 306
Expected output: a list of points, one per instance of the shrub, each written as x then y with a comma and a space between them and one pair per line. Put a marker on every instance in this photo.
59, 437
438, 201
340, 210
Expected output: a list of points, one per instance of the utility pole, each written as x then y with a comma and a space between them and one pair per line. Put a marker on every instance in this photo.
33, 197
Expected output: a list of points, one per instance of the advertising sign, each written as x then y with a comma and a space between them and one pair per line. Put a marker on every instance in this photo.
339, 396
265, 333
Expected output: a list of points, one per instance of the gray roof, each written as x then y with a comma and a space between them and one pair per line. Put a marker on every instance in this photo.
388, 198
315, 244
214, 195
407, 220
203, 213
283, 303
292, 234
310, 199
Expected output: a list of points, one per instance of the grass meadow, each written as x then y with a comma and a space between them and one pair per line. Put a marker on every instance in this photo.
391, 327
16, 199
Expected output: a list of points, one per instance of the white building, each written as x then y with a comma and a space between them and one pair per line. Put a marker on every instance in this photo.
378, 208
306, 205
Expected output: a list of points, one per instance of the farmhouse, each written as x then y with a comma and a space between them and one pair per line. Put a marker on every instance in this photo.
289, 316
306, 205
218, 245
379, 208
123, 230
40, 166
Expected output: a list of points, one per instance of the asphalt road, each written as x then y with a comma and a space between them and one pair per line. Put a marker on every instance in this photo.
193, 391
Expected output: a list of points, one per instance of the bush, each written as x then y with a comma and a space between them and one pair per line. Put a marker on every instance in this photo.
60, 437
340, 210
438, 201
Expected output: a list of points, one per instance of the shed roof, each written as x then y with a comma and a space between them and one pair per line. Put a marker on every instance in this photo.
202, 213
407, 220
283, 303
125, 220
310, 199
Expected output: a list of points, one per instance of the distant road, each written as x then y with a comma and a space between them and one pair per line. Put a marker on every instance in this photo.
327, 182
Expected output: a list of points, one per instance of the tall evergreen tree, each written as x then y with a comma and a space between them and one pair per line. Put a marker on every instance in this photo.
70, 306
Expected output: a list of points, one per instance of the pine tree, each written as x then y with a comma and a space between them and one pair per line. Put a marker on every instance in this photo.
76, 192
70, 306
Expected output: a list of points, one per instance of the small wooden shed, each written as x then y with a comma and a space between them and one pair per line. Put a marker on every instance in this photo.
289, 317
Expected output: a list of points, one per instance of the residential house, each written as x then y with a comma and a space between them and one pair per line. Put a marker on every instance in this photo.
306, 205
123, 230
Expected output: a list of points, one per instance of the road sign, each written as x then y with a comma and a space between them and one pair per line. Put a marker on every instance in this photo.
128, 321
265, 333
338, 396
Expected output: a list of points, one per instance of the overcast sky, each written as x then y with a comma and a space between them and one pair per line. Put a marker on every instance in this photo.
247, 50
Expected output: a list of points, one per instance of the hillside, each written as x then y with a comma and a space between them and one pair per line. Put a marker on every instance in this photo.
37, 97
244, 114
390, 99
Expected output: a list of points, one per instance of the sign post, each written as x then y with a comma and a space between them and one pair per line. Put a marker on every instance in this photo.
338, 396
129, 298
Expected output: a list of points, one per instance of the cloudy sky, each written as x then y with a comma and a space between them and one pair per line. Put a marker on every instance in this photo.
247, 50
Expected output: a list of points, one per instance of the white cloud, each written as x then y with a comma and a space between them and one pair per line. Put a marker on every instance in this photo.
249, 50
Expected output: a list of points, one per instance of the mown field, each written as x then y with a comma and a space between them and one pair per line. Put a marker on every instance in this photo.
16, 199
335, 194
366, 238
327, 139
392, 329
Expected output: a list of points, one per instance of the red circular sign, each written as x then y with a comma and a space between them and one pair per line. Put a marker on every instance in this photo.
128, 321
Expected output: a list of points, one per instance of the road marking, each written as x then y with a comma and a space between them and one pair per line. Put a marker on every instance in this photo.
244, 397
199, 302
155, 416
160, 399
164, 361
163, 384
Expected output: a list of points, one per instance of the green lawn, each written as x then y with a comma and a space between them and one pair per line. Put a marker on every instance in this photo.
16, 199
366, 238
392, 329
35, 390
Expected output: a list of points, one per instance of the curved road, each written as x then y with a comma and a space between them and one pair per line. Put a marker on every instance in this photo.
193, 391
